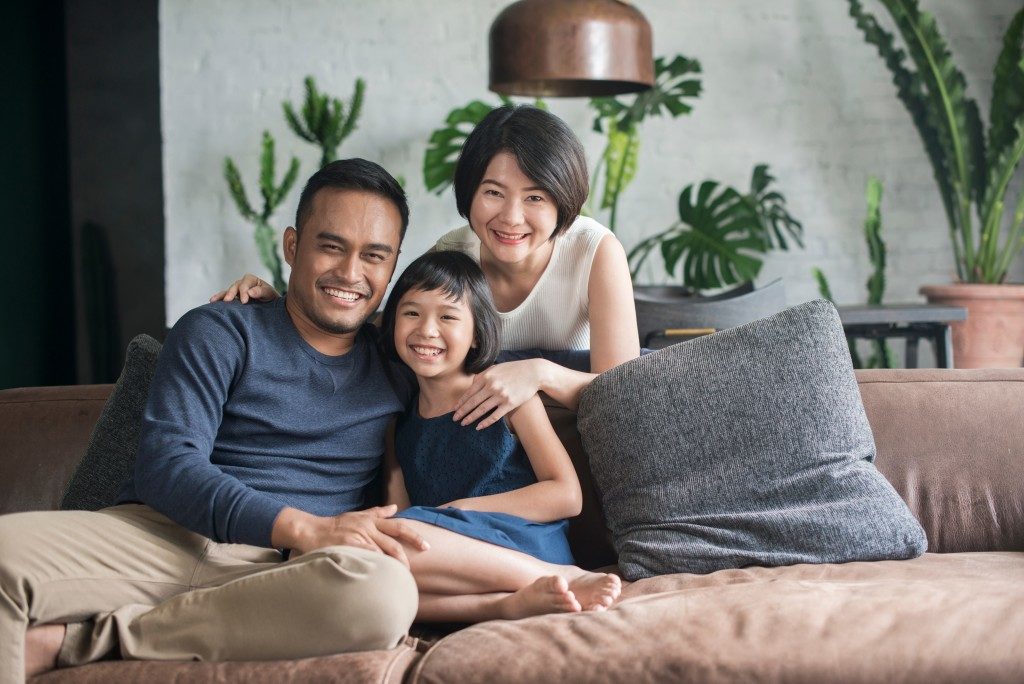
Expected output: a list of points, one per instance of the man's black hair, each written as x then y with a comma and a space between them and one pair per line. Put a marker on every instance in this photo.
458, 277
547, 150
353, 174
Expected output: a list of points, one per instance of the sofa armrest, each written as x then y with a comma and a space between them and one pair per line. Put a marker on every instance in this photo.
952, 444
43, 434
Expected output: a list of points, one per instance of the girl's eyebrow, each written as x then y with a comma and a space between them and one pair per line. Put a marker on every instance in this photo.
413, 302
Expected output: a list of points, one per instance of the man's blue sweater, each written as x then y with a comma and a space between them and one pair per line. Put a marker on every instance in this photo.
245, 417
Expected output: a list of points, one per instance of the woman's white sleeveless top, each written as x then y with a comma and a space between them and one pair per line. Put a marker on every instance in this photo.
556, 313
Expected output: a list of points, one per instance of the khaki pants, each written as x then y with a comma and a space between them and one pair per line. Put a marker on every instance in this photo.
132, 583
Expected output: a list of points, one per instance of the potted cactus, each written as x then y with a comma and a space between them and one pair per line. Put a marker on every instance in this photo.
975, 173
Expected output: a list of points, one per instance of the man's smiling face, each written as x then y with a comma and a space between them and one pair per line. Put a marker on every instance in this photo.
341, 260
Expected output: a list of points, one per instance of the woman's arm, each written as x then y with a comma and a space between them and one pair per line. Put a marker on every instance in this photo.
245, 288
394, 483
557, 494
613, 333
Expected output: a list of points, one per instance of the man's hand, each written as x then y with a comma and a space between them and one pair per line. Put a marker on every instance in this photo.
373, 529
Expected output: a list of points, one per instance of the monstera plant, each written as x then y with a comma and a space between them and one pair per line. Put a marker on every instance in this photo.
722, 234
975, 172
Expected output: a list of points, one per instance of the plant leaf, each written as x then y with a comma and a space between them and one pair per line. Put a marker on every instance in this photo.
295, 124
1007, 89
910, 91
876, 246
446, 144
287, 182
237, 190
951, 112
715, 240
774, 218
267, 174
674, 84
355, 110
823, 287
620, 163
992, 262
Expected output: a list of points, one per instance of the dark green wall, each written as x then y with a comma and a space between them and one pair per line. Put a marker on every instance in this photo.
37, 345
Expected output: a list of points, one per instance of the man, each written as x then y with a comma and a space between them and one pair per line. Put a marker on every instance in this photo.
263, 428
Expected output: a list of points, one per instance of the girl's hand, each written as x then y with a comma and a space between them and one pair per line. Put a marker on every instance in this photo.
498, 390
245, 288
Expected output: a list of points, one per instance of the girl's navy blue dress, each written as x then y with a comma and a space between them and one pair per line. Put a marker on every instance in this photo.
443, 461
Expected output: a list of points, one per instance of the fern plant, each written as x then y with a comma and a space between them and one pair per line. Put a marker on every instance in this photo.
881, 355
722, 233
324, 121
272, 195
972, 172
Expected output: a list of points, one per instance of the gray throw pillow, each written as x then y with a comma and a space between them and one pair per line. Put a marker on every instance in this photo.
110, 456
746, 447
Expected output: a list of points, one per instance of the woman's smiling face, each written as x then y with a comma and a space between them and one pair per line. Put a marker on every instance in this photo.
433, 332
511, 215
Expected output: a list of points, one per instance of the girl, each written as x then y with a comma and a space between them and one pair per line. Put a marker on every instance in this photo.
559, 280
504, 491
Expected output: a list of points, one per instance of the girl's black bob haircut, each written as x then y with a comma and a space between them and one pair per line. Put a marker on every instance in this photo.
458, 277
547, 150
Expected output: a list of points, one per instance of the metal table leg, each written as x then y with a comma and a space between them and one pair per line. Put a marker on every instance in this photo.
911, 358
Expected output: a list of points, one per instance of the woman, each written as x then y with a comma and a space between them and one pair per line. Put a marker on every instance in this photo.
560, 280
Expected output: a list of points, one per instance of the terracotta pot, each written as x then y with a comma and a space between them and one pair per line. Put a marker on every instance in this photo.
993, 334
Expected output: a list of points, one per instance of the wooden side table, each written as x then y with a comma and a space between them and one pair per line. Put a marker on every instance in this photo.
909, 321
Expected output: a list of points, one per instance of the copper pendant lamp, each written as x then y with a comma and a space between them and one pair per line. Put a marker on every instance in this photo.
570, 48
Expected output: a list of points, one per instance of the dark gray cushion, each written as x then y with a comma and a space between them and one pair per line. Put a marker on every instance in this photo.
746, 447
110, 456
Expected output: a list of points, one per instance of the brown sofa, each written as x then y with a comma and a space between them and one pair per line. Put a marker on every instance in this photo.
951, 442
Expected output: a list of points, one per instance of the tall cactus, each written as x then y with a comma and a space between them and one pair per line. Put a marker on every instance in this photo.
323, 120
272, 194
881, 354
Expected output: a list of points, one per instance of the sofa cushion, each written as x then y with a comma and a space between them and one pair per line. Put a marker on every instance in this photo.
746, 447
939, 618
110, 456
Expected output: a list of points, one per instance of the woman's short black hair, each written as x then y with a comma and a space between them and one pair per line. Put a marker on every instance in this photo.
458, 277
547, 150
353, 174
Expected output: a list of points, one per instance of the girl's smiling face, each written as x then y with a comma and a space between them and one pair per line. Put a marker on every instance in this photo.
433, 332
511, 215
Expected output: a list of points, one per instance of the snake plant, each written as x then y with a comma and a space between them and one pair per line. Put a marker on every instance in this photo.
974, 172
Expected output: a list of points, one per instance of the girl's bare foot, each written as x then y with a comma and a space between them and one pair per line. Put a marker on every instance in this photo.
546, 595
42, 645
596, 590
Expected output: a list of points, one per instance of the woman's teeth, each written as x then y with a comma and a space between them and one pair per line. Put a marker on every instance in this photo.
510, 236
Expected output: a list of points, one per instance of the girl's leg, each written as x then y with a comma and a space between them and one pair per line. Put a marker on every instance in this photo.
458, 565
546, 595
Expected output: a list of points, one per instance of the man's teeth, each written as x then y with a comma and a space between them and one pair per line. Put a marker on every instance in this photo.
510, 236
342, 294
427, 351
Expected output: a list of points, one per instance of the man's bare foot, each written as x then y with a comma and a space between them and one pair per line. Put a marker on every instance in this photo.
546, 595
596, 590
42, 645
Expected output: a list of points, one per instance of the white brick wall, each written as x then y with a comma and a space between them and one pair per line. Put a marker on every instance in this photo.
790, 83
